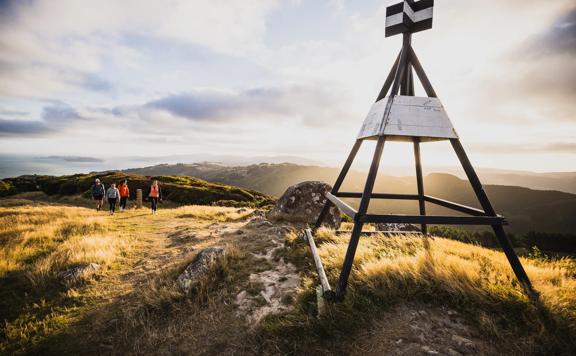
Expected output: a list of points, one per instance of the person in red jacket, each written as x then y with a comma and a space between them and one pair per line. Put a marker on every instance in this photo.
155, 195
124, 194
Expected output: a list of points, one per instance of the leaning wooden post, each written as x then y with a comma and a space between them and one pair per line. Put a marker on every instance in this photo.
138, 198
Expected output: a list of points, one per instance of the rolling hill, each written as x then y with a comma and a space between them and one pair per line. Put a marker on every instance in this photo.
526, 209
178, 189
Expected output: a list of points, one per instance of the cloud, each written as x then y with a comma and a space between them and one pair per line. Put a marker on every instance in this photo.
521, 148
310, 105
535, 81
558, 39
23, 128
54, 119
5, 112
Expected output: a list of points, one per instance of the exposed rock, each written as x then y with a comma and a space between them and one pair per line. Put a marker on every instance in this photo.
275, 286
79, 273
258, 212
462, 341
303, 202
397, 227
259, 221
199, 266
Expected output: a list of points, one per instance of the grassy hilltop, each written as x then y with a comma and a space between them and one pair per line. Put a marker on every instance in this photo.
181, 190
404, 297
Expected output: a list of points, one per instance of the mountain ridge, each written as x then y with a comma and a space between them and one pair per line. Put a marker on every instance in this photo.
526, 209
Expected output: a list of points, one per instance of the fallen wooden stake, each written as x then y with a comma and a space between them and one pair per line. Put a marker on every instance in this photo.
326, 290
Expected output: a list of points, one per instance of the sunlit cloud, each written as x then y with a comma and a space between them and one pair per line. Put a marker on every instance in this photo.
277, 77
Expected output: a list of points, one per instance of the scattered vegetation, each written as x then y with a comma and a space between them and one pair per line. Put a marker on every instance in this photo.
211, 213
393, 270
42, 314
549, 242
181, 190
37, 244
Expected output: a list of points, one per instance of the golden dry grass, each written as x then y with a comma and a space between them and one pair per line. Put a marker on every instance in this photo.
395, 269
211, 213
37, 243
39, 240
45, 240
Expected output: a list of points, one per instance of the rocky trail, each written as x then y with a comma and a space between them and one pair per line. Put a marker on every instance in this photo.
272, 283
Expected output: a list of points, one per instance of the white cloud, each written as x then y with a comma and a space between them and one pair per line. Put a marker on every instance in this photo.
106, 53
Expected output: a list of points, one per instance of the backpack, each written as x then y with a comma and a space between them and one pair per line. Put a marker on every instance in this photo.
98, 189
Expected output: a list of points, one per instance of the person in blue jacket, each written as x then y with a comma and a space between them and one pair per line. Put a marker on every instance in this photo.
98, 192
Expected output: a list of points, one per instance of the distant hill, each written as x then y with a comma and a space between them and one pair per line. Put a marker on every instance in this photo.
526, 209
179, 189
562, 181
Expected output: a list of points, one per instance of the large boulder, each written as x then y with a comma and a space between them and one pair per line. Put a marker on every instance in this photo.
303, 202
199, 267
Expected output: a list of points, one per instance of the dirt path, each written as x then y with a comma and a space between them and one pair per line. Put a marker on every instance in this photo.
166, 243
171, 239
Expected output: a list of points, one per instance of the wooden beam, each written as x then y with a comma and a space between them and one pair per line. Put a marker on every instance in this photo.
338, 182
370, 233
454, 206
378, 195
421, 74
345, 208
389, 79
435, 219
319, 267
419, 181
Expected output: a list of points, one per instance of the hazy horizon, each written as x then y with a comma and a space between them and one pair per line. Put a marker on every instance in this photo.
267, 78
20, 164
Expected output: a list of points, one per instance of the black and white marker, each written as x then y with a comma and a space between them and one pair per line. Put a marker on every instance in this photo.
409, 16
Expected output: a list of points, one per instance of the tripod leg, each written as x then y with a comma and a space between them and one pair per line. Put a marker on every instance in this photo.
420, 181
338, 183
362, 209
489, 210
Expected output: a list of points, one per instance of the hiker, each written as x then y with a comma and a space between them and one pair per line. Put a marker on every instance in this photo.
112, 194
98, 191
155, 195
124, 194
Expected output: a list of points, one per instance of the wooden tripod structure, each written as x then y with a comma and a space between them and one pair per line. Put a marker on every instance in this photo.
398, 115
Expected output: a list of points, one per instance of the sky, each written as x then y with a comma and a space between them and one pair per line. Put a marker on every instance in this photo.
108, 79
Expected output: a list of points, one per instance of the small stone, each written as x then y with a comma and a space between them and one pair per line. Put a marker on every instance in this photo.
79, 273
429, 351
240, 297
199, 267
453, 352
462, 340
239, 232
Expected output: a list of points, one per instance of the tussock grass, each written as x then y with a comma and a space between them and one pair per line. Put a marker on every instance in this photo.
45, 240
160, 310
37, 243
212, 213
389, 270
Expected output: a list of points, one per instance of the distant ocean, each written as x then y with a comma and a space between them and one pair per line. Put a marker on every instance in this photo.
17, 165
